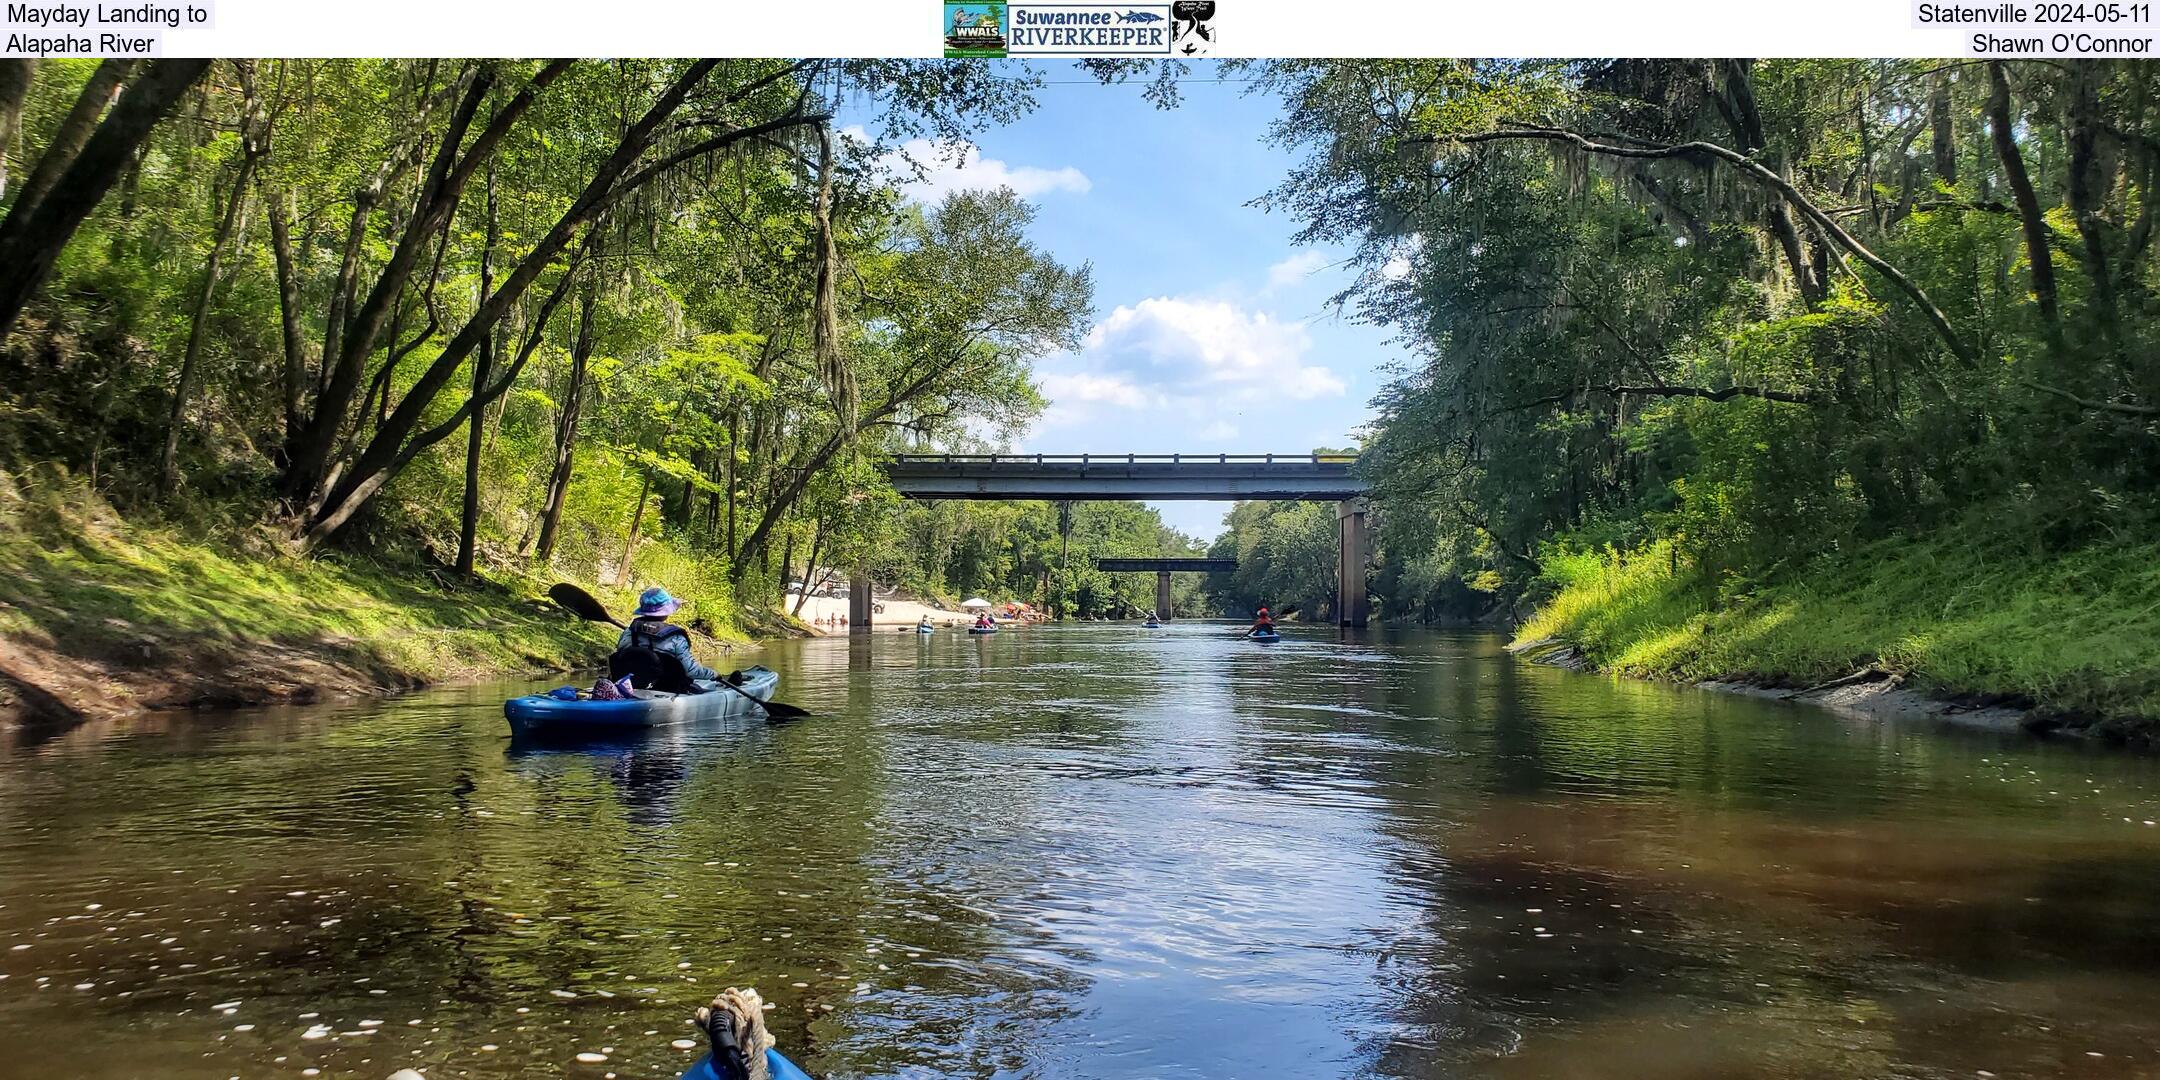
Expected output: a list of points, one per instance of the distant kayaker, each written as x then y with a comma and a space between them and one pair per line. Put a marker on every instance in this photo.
1263, 623
651, 647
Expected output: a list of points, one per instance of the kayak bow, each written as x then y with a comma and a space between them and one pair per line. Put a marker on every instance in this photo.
781, 1068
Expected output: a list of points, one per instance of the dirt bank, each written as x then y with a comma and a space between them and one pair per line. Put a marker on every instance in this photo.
103, 618
1870, 693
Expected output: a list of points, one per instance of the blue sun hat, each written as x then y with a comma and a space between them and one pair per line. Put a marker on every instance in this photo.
656, 601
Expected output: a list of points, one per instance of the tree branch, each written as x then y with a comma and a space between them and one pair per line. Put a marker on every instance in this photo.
1789, 397
1755, 171
2124, 407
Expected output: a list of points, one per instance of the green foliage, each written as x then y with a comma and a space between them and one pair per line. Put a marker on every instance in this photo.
1669, 356
1968, 609
1039, 553
663, 349
1286, 554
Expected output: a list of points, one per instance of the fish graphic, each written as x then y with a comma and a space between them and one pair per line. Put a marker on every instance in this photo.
1139, 17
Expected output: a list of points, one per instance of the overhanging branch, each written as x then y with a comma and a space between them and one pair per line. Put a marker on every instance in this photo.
1789, 397
1755, 171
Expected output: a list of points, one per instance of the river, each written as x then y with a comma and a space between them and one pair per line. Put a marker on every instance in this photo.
1088, 852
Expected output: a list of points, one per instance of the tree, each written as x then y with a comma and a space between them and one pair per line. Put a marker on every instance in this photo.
967, 302
71, 177
1754, 308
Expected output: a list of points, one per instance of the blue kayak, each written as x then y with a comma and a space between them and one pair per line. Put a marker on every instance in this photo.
536, 714
1265, 636
982, 629
782, 1068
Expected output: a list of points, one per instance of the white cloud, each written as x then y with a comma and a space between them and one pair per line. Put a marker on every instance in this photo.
960, 166
1176, 373
1209, 348
1398, 264
1084, 387
1294, 270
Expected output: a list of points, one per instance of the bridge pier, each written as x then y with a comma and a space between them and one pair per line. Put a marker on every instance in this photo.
1352, 606
858, 603
1162, 594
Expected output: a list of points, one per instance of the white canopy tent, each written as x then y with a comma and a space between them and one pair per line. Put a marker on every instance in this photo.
974, 602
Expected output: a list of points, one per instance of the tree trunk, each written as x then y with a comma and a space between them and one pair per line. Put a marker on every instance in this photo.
613, 181
279, 206
356, 334
455, 162
1944, 143
15, 79
31, 237
734, 430
74, 131
2088, 193
754, 548
483, 368
1748, 131
817, 540
191, 357
566, 430
2004, 134
787, 565
637, 519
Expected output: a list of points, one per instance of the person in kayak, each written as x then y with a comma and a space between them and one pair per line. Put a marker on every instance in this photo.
1263, 623
655, 653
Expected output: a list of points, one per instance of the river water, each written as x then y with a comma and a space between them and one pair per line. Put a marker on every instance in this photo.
1088, 852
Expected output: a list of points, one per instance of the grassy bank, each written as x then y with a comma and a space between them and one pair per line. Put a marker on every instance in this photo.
100, 616
2073, 635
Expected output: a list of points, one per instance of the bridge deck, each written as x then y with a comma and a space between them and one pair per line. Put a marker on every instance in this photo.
1213, 477
1205, 566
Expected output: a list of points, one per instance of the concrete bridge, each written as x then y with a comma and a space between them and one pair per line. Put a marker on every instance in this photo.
1163, 568
1167, 477
1162, 477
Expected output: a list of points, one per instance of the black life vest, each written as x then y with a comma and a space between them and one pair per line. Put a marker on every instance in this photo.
648, 666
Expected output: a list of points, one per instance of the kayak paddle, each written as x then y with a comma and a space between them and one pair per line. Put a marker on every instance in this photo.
1283, 614
581, 604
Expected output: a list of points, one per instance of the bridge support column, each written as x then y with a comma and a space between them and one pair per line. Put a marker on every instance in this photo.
1162, 594
1352, 606
858, 604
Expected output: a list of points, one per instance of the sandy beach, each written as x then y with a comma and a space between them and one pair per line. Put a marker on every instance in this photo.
898, 613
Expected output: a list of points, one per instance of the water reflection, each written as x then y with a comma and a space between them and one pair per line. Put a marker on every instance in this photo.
1085, 852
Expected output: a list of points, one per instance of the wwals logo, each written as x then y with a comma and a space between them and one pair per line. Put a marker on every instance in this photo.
976, 29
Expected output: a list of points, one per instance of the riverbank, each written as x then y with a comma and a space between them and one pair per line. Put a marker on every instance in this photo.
900, 613
1962, 626
102, 617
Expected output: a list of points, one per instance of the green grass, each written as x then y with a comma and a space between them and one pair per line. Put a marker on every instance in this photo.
77, 580
1960, 611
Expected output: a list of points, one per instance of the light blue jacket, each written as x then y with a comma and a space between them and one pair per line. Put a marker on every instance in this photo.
678, 646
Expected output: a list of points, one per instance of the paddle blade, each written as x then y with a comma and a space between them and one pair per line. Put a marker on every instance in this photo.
580, 603
779, 711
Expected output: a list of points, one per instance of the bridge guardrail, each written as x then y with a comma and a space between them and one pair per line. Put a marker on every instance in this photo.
1125, 459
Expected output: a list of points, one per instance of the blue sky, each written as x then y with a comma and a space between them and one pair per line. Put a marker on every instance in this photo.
1211, 332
